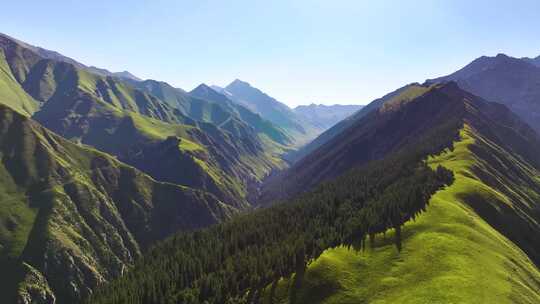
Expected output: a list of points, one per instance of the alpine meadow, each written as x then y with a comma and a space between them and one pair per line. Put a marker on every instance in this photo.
286, 152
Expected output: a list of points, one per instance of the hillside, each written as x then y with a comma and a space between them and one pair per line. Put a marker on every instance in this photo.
72, 218
511, 81
326, 116
455, 251
228, 159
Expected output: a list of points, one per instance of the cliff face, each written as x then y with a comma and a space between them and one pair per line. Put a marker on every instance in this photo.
72, 218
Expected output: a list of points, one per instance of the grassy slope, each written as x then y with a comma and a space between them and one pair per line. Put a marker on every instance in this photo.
450, 254
12, 93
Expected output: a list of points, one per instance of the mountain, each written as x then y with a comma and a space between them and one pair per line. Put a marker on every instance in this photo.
112, 115
104, 72
405, 93
534, 61
385, 228
72, 218
325, 116
270, 109
48, 54
510, 81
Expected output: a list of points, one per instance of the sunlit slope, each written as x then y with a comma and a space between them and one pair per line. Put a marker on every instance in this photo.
450, 253
12, 94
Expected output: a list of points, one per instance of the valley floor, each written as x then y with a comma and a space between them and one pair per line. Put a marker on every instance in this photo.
450, 255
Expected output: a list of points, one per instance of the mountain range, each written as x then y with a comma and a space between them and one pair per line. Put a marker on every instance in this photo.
115, 189
480, 234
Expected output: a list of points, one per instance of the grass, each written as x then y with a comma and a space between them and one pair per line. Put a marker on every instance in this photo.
188, 145
450, 254
405, 96
12, 93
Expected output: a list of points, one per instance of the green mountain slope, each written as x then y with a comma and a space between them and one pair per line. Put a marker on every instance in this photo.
451, 253
113, 116
12, 93
72, 218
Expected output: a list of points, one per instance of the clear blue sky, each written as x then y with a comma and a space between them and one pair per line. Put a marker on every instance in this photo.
297, 51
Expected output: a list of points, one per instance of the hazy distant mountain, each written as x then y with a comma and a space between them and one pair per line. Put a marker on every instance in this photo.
105, 72
326, 116
271, 109
73, 218
535, 61
507, 80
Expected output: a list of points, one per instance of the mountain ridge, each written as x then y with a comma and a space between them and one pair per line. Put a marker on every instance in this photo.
511, 81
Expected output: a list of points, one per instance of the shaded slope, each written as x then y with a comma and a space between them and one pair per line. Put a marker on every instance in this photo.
72, 218
12, 93
510, 81
365, 137
405, 93
450, 253
535, 61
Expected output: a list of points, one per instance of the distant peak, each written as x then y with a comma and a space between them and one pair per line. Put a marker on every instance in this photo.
202, 88
238, 82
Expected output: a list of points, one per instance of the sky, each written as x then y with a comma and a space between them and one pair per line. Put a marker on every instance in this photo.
300, 52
